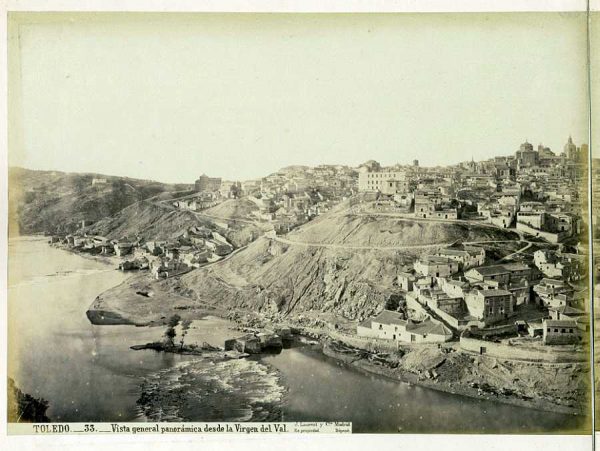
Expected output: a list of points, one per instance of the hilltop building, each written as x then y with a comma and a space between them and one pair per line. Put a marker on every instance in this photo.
206, 183
385, 182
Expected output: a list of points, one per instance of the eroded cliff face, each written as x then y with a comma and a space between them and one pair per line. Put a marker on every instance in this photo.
339, 263
272, 277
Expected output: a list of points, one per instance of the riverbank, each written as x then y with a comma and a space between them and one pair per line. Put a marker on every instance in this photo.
451, 371
549, 387
108, 259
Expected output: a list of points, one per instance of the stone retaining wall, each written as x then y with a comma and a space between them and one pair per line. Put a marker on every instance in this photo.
516, 352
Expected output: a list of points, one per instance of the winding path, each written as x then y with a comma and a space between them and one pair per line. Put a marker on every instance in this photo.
529, 244
355, 247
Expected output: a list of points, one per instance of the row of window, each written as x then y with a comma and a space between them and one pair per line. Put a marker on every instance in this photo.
379, 175
562, 331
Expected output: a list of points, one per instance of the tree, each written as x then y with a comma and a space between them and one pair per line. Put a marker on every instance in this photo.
392, 303
235, 191
170, 333
185, 326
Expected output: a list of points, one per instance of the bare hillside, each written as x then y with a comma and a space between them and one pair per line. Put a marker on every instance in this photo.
232, 208
344, 228
57, 202
273, 277
148, 220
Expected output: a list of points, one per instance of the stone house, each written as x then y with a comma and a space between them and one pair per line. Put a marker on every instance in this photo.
559, 332
490, 306
123, 248
454, 288
406, 281
553, 292
467, 258
390, 325
433, 266
566, 312
497, 273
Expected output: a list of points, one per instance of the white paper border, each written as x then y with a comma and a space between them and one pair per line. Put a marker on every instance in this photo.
304, 442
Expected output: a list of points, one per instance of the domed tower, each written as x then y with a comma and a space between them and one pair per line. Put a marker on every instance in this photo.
526, 156
526, 147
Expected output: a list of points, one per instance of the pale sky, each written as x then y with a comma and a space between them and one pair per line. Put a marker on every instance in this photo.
169, 97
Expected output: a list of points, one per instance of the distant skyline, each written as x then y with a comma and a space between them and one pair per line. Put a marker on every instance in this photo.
409, 163
239, 96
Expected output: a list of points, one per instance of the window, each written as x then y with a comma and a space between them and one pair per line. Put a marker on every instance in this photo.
562, 331
570, 331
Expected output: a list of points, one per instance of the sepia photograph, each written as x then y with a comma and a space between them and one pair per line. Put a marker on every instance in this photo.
379, 222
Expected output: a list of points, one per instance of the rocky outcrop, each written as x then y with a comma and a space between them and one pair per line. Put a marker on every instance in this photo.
102, 315
106, 318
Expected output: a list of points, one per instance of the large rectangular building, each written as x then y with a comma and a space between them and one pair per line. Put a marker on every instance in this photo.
490, 306
385, 182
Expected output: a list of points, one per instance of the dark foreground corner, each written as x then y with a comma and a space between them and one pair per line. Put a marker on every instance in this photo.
24, 408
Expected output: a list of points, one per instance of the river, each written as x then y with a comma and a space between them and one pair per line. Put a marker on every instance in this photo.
88, 373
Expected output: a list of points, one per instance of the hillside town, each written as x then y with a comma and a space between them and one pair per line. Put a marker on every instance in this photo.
532, 297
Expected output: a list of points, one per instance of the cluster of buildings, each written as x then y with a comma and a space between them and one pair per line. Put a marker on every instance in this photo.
288, 210
190, 249
533, 190
287, 198
455, 290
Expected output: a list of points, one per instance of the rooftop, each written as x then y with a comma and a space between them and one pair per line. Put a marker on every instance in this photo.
389, 317
494, 293
429, 327
516, 267
571, 311
434, 259
491, 270
560, 323
366, 323
547, 281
